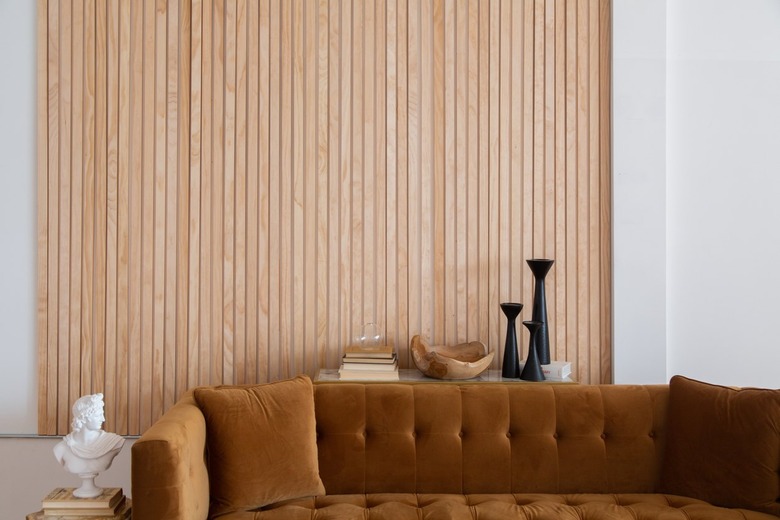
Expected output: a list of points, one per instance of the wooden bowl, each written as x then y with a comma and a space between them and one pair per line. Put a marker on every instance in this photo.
462, 361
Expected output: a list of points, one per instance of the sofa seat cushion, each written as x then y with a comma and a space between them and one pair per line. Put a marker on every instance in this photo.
402, 506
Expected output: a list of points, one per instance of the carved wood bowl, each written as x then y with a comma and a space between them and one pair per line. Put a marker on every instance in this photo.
462, 361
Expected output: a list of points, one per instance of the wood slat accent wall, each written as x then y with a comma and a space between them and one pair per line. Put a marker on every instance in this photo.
230, 189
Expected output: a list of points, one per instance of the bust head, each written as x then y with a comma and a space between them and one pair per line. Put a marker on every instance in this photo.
88, 412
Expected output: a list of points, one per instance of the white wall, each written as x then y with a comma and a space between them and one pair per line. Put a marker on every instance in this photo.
697, 190
30, 471
18, 381
639, 191
723, 180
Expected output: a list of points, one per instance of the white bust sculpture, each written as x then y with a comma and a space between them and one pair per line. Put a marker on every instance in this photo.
88, 450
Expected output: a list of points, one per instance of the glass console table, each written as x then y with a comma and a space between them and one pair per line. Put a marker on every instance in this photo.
412, 375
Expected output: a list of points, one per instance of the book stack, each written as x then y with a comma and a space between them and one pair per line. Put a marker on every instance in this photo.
555, 371
369, 363
111, 504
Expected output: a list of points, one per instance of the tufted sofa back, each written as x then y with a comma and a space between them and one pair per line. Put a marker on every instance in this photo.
490, 438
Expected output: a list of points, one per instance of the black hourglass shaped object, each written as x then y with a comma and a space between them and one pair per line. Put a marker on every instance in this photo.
532, 370
540, 267
511, 364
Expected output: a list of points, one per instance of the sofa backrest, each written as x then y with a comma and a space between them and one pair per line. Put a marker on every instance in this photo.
490, 438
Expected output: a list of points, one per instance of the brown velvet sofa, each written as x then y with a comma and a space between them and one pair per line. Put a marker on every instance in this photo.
686, 450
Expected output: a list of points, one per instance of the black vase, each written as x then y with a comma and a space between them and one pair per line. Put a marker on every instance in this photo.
511, 365
532, 371
540, 267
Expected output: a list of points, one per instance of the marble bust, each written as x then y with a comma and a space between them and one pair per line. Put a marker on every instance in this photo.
88, 450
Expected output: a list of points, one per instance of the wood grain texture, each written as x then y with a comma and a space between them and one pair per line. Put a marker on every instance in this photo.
228, 190
45, 412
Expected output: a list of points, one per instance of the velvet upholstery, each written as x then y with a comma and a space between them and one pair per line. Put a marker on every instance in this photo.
734, 459
525, 506
488, 451
261, 444
168, 472
460, 439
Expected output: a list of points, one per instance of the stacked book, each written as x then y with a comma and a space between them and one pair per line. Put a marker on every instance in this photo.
555, 371
374, 363
110, 504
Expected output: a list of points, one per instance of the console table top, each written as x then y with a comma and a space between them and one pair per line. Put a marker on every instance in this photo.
412, 375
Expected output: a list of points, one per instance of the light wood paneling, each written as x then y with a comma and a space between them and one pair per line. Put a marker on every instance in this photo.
230, 189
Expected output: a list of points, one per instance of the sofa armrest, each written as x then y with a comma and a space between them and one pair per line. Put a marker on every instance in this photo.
169, 475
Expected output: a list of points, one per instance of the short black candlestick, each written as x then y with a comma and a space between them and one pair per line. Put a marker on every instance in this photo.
532, 370
511, 365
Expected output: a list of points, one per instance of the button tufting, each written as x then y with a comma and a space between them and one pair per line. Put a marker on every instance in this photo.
603, 435
460, 434
508, 434
555, 435
652, 435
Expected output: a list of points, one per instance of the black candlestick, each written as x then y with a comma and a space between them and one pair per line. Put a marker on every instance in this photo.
532, 371
540, 267
511, 365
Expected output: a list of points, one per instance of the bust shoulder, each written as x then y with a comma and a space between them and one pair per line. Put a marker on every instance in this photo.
94, 446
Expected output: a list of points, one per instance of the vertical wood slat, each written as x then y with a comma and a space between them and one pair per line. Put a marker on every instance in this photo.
100, 198
183, 174
458, 163
403, 320
594, 194
263, 254
253, 152
171, 140
240, 192
77, 190
64, 194
230, 189
147, 197
135, 215
356, 169
507, 192
491, 135
113, 300
605, 187
194, 369
274, 127
571, 341
160, 121
286, 161
229, 193
87, 211
311, 173
217, 302
344, 186
472, 204
331, 197
124, 154
560, 179
45, 413
321, 192
204, 299
582, 202
413, 115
